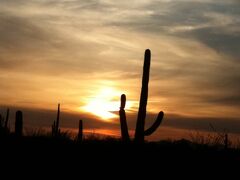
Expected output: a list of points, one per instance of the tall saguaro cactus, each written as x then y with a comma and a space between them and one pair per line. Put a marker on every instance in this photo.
19, 124
55, 126
139, 131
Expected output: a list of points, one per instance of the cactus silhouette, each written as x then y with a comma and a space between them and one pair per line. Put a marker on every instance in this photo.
6, 121
1, 121
139, 131
123, 122
80, 131
19, 124
4, 128
55, 126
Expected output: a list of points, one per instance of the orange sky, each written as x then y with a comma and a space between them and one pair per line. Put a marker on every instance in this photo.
85, 54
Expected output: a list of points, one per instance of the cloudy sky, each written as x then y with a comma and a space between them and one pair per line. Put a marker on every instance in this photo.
85, 53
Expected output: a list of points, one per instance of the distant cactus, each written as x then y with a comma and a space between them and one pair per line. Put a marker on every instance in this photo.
226, 142
140, 132
55, 126
123, 122
4, 128
1, 121
80, 131
19, 124
6, 121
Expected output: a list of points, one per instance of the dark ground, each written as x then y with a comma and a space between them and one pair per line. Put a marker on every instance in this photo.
49, 156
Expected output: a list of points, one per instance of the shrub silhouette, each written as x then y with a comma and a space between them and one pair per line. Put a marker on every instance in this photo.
139, 131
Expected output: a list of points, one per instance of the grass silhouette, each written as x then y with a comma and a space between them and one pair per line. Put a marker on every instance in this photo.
96, 154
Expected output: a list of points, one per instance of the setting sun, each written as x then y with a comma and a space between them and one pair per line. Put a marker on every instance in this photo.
105, 103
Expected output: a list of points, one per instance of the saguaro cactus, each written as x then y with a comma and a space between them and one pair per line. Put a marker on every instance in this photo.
123, 122
55, 126
139, 131
80, 131
19, 124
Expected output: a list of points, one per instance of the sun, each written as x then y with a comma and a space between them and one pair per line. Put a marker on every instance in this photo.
104, 103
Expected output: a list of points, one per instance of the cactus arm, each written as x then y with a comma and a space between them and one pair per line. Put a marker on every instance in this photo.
123, 121
155, 125
139, 134
123, 101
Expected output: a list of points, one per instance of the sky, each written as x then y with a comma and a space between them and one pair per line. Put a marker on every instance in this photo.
85, 53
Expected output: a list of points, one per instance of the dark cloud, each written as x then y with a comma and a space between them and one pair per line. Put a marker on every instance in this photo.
190, 123
42, 118
202, 123
18, 32
209, 22
39, 119
223, 43
228, 100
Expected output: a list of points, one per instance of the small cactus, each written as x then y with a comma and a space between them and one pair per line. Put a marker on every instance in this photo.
19, 124
55, 126
80, 131
6, 121
123, 122
140, 132
4, 128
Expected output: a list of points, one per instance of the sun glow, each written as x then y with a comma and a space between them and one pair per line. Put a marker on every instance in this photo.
105, 104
